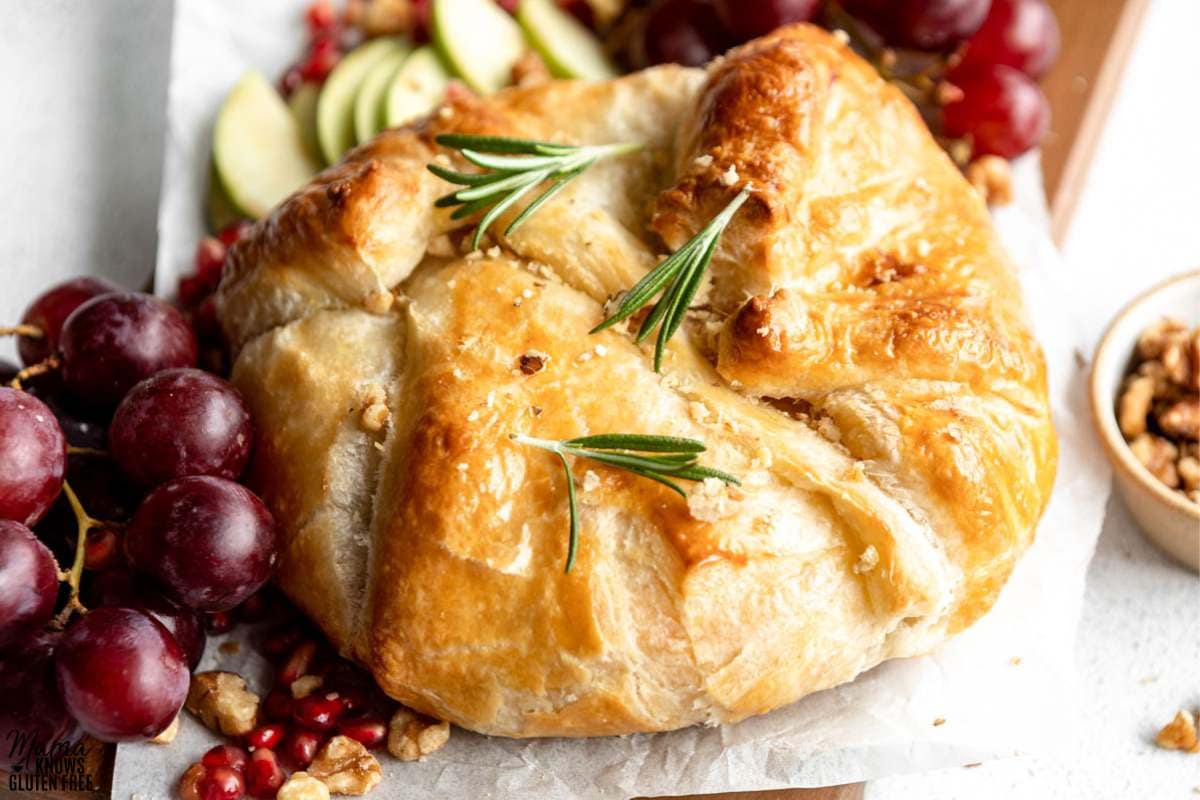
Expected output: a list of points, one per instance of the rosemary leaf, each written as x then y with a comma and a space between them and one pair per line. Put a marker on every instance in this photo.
663, 459
512, 168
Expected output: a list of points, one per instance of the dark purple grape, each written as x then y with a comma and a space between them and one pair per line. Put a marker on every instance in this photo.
209, 543
33, 720
685, 32
51, 309
1022, 34
1002, 111
121, 674
110, 343
28, 584
118, 587
922, 24
181, 422
33, 457
749, 19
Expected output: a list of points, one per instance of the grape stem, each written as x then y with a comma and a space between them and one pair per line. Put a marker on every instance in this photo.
32, 331
32, 371
74, 576
72, 450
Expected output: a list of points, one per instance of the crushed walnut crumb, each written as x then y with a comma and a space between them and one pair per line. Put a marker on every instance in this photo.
712, 499
992, 178
223, 703
730, 176
1158, 408
305, 685
380, 301
1179, 733
533, 361
868, 561
167, 735
411, 736
346, 767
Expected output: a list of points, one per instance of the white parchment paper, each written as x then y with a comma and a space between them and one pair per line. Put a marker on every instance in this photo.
1003, 687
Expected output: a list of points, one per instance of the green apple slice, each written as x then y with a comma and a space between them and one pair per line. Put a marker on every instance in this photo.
257, 149
303, 104
335, 106
569, 49
219, 210
368, 104
417, 88
478, 40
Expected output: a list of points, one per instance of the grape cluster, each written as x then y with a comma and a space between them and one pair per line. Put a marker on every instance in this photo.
119, 462
992, 51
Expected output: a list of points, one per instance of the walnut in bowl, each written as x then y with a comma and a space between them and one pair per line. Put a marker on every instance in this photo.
1145, 395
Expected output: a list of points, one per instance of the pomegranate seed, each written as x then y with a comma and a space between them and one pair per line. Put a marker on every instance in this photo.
318, 713
221, 783
278, 705
233, 232
372, 733
319, 64
290, 81
218, 622
320, 16
189, 783
204, 320
281, 641
102, 549
300, 748
254, 609
263, 775
225, 755
268, 736
298, 663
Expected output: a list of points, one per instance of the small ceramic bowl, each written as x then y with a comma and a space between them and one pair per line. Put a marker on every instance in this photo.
1167, 518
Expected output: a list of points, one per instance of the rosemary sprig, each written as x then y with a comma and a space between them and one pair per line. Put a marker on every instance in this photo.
679, 277
665, 459
513, 168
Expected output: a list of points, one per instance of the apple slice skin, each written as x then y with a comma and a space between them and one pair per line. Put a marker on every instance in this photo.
335, 106
417, 88
478, 40
303, 103
369, 102
258, 152
569, 49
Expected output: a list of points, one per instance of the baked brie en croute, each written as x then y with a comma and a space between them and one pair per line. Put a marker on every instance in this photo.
859, 359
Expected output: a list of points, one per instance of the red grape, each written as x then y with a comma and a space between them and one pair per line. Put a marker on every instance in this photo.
747, 19
181, 422
51, 309
1002, 111
685, 32
30, 705
1022, 34
922, 24
208, 542
28, 584
33, 457
117, 587
121, 674
110, 343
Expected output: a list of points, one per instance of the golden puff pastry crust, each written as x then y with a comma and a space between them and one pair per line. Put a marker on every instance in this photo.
860, 361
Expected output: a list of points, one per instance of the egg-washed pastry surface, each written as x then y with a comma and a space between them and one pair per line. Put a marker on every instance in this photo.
859, 359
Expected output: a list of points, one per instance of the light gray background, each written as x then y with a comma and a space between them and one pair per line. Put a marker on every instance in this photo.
82, 91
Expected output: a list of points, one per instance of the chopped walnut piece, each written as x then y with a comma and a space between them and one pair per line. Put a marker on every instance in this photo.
1155, 339
168, 733
992, 178
222, 703
530, 69
1177, 360
1188, 468
412, 736
380, 17
1179, 734
1157, 455
375, 416
1134, 405
345, 766
1181, 419
305, 685
302, 786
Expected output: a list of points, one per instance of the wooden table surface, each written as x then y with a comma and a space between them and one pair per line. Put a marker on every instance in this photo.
1098, 36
